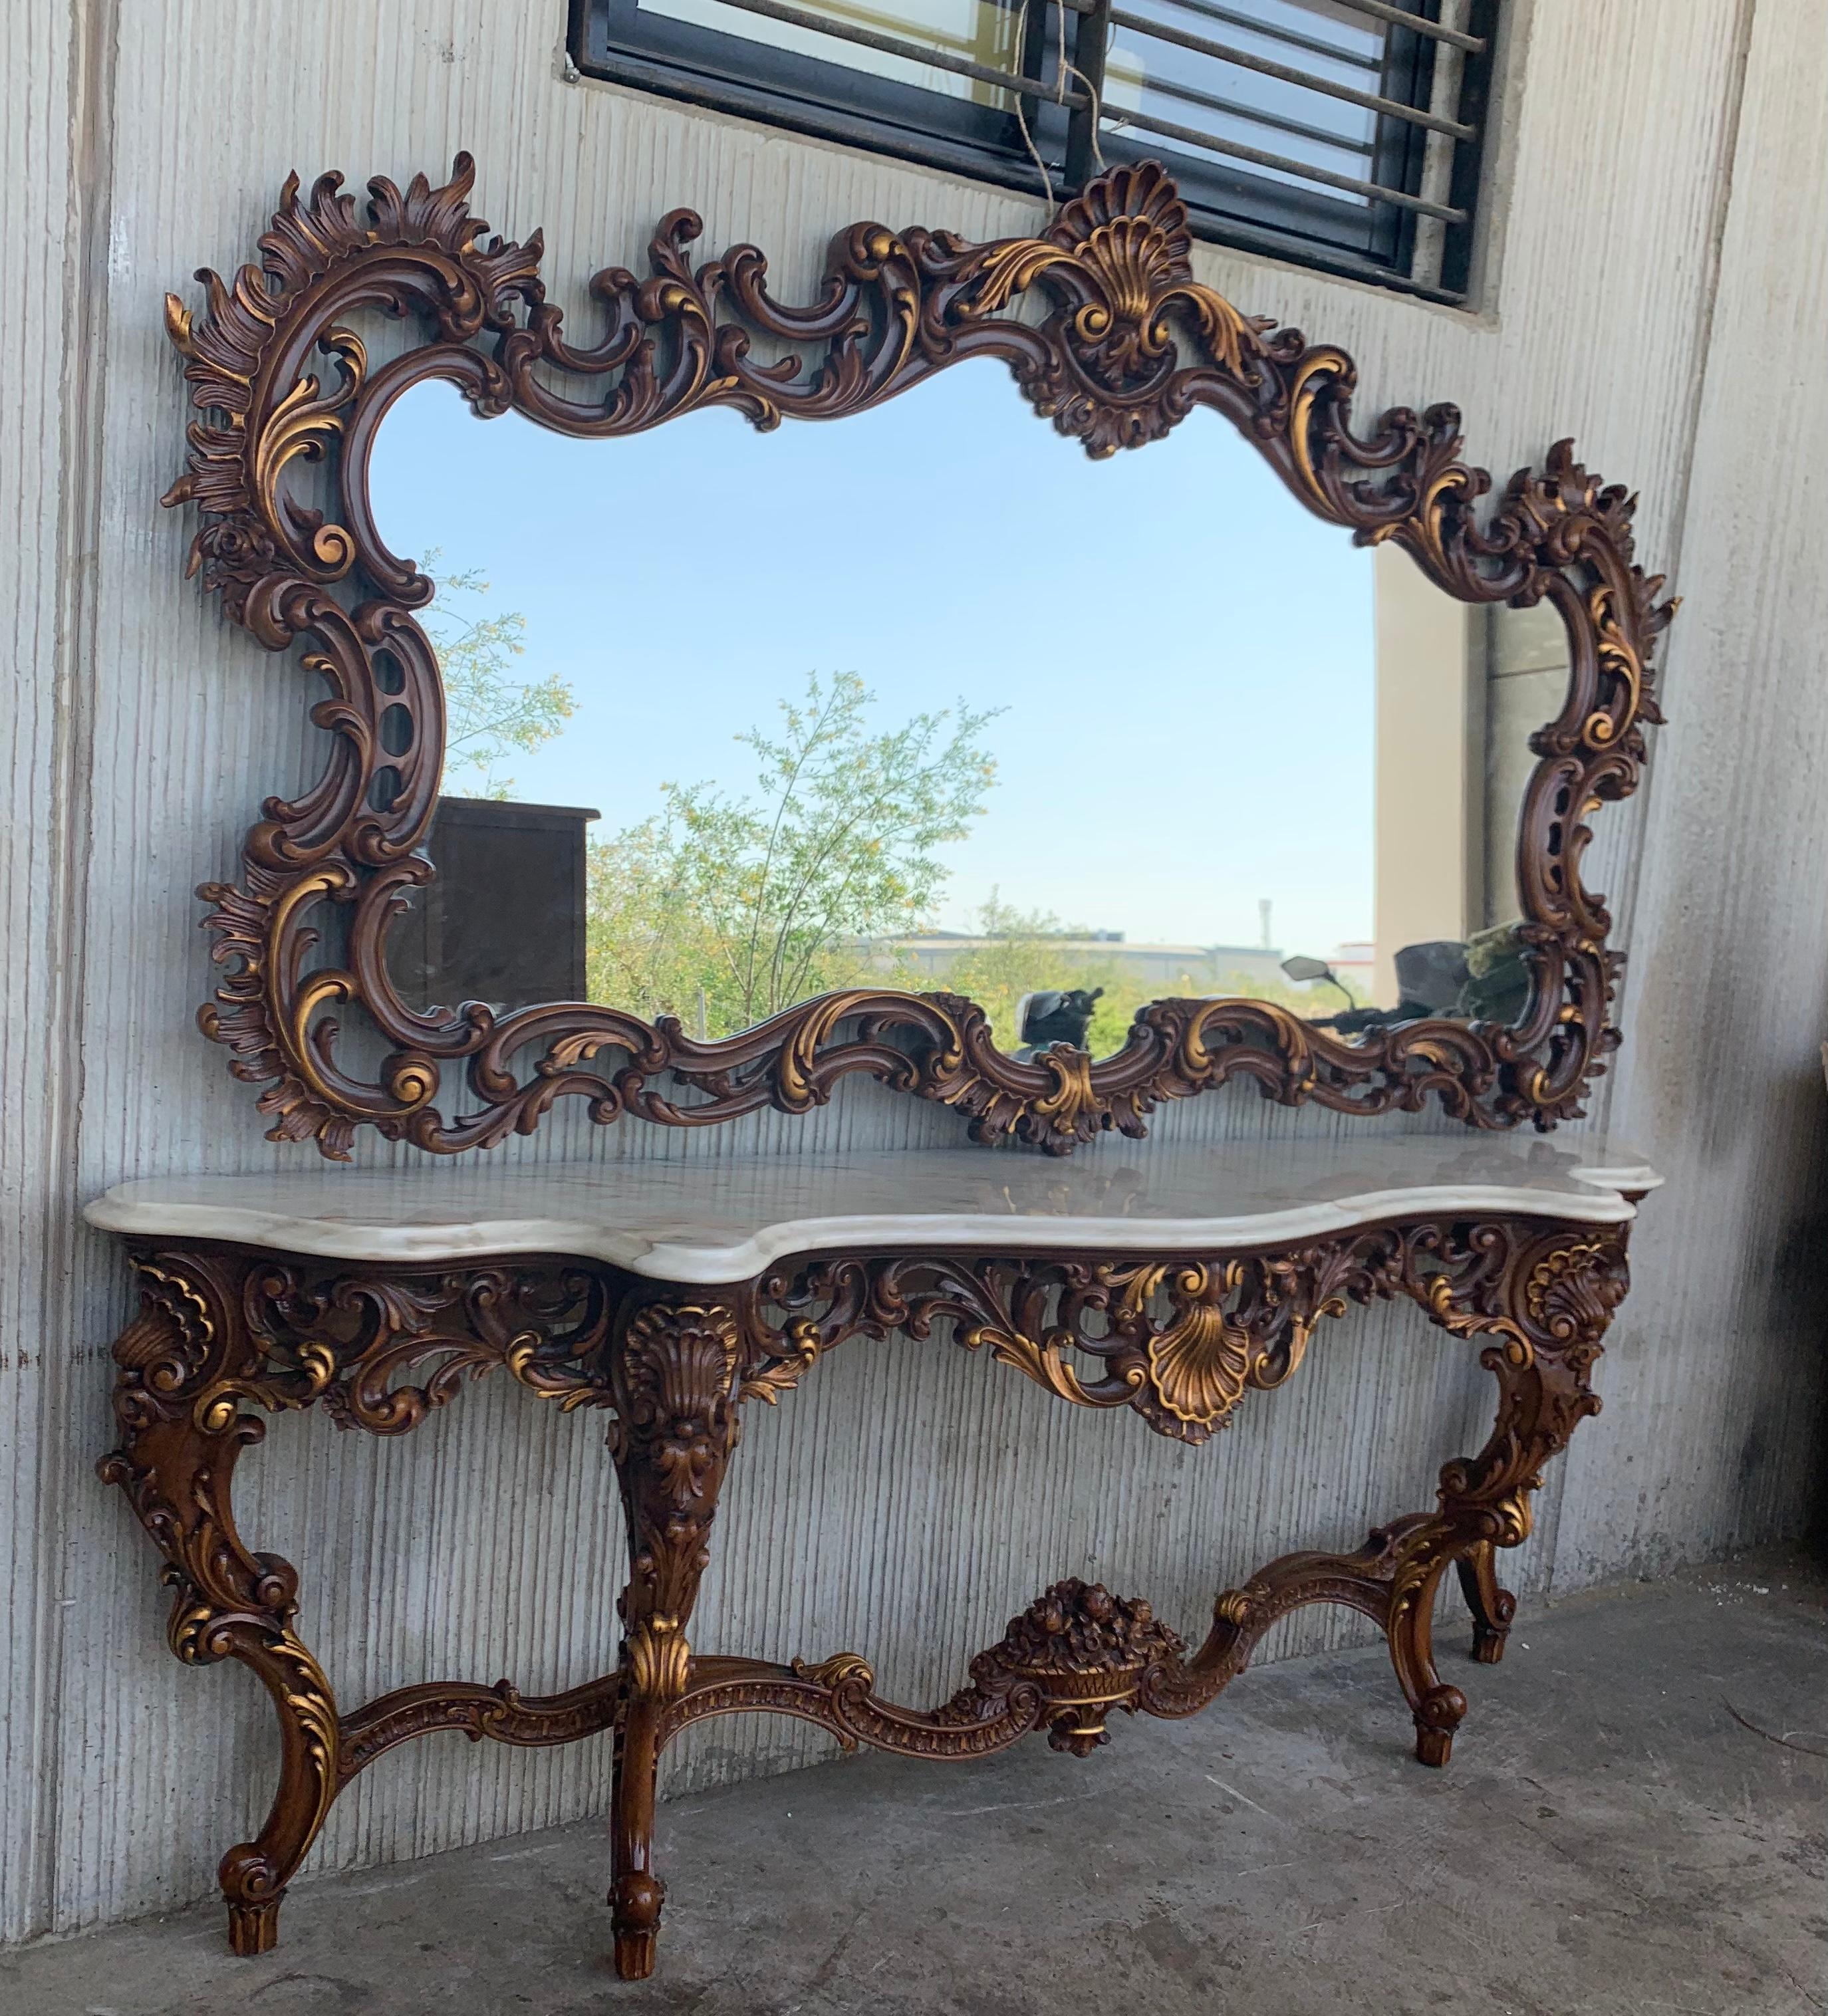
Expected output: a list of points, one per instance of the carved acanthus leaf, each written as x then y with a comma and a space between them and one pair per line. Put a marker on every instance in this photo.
1131, 343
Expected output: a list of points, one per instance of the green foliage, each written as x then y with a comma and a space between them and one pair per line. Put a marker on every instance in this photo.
753, 904
489, 712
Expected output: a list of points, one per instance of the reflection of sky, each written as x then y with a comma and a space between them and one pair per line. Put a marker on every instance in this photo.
1184, 653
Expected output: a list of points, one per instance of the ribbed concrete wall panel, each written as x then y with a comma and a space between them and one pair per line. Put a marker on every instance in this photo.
908, 1499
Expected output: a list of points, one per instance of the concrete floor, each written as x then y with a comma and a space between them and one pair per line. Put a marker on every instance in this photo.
1609, 1839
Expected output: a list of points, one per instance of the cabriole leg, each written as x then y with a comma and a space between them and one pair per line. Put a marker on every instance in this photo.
1437, 1707
1546, 1309
185, 1364
1492, 1607
673, 1373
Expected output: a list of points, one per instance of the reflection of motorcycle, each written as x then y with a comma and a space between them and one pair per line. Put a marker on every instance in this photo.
1484, 978
1054, 1016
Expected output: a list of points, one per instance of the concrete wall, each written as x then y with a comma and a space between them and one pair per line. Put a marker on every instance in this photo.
1430, 796
1656, 280
1526, 667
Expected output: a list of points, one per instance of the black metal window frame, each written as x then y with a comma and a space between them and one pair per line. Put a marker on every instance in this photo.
1232, 201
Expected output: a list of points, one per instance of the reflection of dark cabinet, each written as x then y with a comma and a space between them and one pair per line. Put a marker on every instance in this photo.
503, 921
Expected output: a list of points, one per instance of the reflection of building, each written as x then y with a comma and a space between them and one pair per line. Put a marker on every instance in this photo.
1460, 688
1174, 969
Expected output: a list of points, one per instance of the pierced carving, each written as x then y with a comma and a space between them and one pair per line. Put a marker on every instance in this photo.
1130, 344
775, 1371
347, 1333
1177, 1341
221, 1327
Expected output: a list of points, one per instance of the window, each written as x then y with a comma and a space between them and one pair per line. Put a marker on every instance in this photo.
1342, 133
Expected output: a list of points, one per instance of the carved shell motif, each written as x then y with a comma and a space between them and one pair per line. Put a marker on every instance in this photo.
1199, 1359
1571, 1292
1120, 344
1129, 232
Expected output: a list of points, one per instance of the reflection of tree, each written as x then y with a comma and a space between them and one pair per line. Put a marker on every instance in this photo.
1025, 954
747, 905
488, 712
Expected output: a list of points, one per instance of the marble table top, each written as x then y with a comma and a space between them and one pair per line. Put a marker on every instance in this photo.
707, 1218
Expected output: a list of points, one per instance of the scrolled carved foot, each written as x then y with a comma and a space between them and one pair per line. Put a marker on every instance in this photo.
253, 1928
1492, 1607
1438, 1714
1489, 1642
634, 1912
253, 1891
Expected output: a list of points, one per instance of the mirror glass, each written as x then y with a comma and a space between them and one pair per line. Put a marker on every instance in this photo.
928, 699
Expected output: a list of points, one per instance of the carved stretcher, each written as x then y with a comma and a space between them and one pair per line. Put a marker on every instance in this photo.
1168, 1282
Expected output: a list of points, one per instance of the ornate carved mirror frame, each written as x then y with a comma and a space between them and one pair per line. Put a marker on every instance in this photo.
1131, 343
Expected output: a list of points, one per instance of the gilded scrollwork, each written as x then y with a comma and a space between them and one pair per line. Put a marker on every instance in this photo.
1127, 345
347, 1332
1178, 1340
184, 1365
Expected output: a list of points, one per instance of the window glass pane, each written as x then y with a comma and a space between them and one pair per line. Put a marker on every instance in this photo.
1350, 187
1167, 80
979, 31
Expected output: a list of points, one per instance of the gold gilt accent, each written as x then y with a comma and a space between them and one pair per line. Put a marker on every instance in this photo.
1438, 1299
783, 1372
1041, 1358
1199, 1362
1073, 1097
303, 426
170, 1337
305, 1691
841, 1669
1110, 337
659, 1659
1167, 1335
1567, 1268
1236, 1607
1125, 241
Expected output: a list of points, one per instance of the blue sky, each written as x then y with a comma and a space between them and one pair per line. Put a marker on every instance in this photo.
1183, 653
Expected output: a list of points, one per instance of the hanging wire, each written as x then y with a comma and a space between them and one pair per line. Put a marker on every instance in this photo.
1021, 113
1064, 69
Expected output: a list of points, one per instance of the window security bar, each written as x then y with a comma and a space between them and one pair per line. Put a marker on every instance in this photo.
1344, 133
929, 53
1146, 122
1418, 24
1224, 52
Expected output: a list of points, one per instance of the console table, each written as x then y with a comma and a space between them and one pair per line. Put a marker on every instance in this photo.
1168, 1281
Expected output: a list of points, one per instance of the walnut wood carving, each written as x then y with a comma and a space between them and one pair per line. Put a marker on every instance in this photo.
1131, 343
226, 1334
